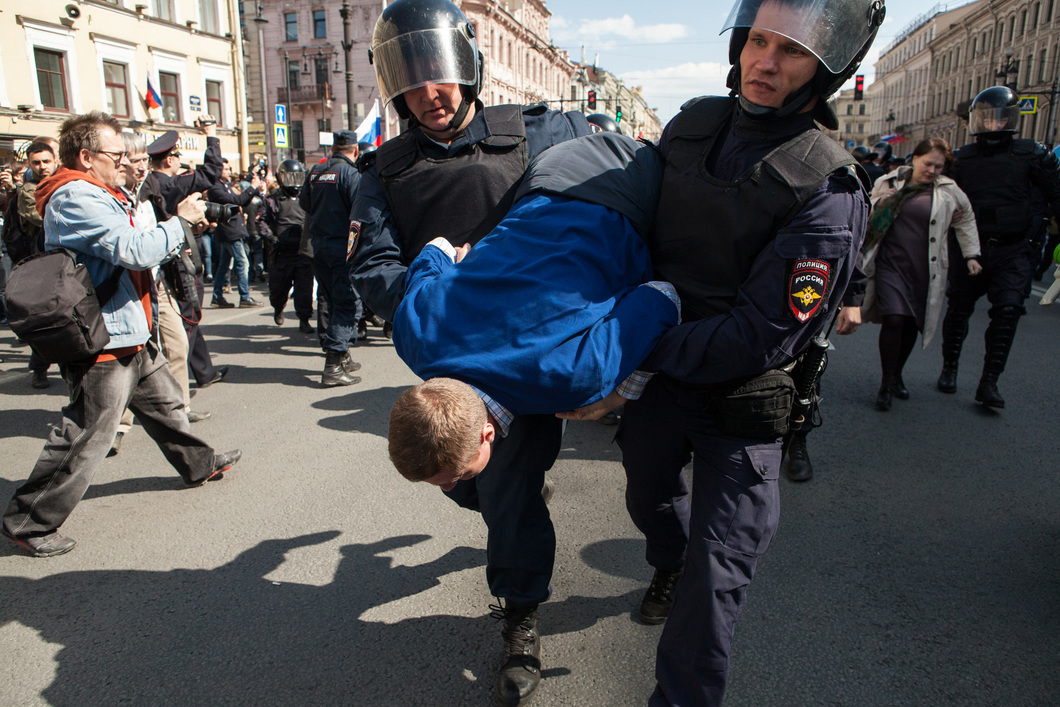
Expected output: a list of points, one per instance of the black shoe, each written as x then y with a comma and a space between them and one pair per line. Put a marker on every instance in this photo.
48, 545
221, 464
362, 330
305, 327
197, 416
520, 670
115, 446
947, 382
207, 279
277, 316
899, 390
349, 364
40, 380
796, 463
388, 330
987, 393
883, 399
655, 606
221, 303
335, 373
217, 377
249, 302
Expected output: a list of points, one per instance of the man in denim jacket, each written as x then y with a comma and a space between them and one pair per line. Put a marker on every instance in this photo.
85, 212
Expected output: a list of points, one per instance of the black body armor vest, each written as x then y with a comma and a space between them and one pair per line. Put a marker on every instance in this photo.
708, 231
289, 220
460, 198
999, 186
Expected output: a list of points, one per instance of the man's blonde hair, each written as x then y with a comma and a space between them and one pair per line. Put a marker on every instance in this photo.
435, 426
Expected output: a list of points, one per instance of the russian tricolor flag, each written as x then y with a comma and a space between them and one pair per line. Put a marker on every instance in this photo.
153, 100
371, 128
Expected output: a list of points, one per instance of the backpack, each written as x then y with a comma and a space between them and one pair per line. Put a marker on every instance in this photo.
53, 306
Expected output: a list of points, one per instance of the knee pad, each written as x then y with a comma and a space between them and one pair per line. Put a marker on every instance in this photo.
1007, 311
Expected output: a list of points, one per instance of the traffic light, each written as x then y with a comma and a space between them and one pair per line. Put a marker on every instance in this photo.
859, 87
618, 113
592, 100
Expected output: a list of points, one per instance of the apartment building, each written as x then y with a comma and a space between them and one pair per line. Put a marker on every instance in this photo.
60, 58
855, 120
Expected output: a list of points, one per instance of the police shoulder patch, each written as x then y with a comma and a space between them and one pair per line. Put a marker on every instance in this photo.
351, 242
807, 288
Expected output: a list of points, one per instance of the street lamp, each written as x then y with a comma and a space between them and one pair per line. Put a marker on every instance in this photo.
347, 47
1009, 67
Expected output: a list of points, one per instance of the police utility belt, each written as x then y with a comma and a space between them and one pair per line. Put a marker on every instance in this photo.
758, 407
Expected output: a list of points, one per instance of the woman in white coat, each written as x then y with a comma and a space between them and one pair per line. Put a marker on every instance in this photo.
906, 256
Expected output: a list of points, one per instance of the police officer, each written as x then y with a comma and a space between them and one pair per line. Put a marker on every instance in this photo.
1003, 176
452, 174
867, 159
759, 226
327, 198
285, 217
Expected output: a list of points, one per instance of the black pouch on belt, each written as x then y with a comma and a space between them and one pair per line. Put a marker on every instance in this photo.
758, 407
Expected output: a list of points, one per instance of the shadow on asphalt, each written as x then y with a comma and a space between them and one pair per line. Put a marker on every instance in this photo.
366, 411
231, 636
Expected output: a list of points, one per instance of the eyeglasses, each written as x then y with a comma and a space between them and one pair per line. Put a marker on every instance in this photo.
116, 156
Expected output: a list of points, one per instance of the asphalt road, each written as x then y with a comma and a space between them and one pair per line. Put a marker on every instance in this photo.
921, 566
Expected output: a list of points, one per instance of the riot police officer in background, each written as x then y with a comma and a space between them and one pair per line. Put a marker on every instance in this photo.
287, 266
327, 197
758, 279
1001, 175
452, 175
867, 160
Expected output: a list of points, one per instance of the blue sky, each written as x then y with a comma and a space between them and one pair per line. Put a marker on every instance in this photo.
672, 47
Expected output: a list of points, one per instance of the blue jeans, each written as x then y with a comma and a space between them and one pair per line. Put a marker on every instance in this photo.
237, 251
206, 251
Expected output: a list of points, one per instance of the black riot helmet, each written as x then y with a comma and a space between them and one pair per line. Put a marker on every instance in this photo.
417, 42
606, 123
994, 113
863, 154
364, 148
838, 32
290, 175
883, 150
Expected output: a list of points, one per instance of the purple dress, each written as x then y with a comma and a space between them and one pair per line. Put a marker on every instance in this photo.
902, 275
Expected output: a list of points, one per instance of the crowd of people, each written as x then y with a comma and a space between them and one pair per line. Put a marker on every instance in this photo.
537, 269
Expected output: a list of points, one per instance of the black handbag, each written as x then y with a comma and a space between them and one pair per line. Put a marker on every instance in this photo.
53, 306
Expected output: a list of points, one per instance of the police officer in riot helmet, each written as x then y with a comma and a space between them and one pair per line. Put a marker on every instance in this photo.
290, 175
452, 175
867, 160
758, 280
288, 266
884, 152
604, 122
1004, 178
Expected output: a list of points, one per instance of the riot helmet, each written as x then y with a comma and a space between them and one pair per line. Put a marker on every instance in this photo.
290, 175
837, 32
365, 147
883, 151
606, 123
863, 154
420, 42
994, 113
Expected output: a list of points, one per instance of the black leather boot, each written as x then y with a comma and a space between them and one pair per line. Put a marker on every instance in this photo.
520, 670
796, 462
999, 337
335, 372
954, 330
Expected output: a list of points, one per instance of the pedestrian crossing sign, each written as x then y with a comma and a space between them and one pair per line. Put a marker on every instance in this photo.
280, 136
1028, 105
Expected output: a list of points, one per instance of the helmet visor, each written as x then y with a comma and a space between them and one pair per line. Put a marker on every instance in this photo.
986, 118
291, 178
833, 30
411, 60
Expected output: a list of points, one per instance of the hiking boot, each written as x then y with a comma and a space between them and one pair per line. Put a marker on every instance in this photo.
520, 670
335, 373
987, 392
655, 606
349, 364
947, 382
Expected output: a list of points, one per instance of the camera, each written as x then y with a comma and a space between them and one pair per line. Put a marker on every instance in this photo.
219, 213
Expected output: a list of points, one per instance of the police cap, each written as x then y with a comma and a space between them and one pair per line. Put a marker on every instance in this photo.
345, 137
163, 144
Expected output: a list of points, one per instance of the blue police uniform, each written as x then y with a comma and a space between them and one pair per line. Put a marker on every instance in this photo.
521, 547
752, 298
327, 196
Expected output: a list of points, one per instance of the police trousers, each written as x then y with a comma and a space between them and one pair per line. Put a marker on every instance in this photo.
715, 536
344, 304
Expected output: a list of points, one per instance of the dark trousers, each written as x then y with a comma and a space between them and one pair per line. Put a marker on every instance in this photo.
521, 546
1005, 279
716, 537
289, 268
344, 304
99, 394
199, 361
36, 363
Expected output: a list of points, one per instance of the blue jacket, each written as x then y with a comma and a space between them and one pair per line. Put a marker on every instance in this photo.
92, 223
326, 197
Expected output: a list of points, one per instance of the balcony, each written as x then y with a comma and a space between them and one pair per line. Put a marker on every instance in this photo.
313, 93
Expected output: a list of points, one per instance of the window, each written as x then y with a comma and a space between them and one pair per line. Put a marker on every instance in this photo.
164, 10
861, 109
208, 16
1041, 68
213, 101
290, 23
850, 109
293, 75
51, 78
861, 127
116, 86
320, 25
320, 71
297, 139
848, 127
324, 126
169, 88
